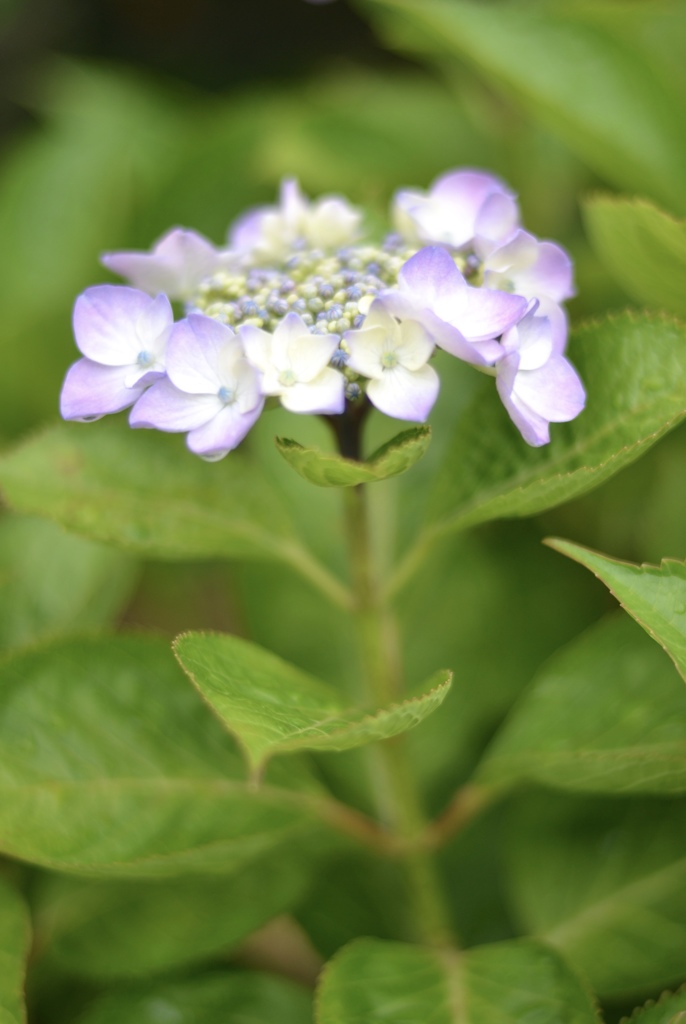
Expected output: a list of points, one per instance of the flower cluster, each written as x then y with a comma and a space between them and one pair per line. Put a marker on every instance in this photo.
301, 307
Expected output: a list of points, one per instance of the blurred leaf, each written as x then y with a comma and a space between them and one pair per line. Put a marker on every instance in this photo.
643, 248
67, 191
249, 998
330, 470
52, 582
634, 370
669, 1009
590, 87
15, 937
370, 981
127, 929
654, 595
605, 882
606, 715
143, 491
272, 707
110, 765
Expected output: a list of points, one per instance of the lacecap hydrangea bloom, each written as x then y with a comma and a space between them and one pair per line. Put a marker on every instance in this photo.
299, 306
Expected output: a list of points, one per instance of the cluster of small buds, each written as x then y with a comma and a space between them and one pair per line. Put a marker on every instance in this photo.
298, 306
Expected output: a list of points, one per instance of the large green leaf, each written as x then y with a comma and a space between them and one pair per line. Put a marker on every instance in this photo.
110, 765
634, 370
272, 707
642, 247
52, 581
330, 470
605, 882
15, 935
669, 1009
606, 715
654, 595
371, 981
596, 91
143, 491
122, 929
249, 998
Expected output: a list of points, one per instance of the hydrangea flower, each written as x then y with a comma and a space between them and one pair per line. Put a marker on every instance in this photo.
210, 390
294, 364
300, 307
122, 333
271, 231
537, 385
394, 355
179, 261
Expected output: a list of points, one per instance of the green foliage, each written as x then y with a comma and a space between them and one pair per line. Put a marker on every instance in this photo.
654, 595
642, 247
372, 981
634, 369
605, 882
111, 765
110, 930
606, 715
330, 470
272, 707
15, 936
669, 1009
146, 493
214, 999
603, 95
52, 582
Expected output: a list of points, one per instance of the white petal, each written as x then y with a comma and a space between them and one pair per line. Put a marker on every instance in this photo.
415, 345
366, 349
295, 346
325, 394
258, 346
405, 394
164, 407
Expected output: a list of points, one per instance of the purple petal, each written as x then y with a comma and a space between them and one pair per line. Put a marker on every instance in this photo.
223, 433
176, 265
91, 390
164, 407
497, 220
487, 313
430, 277
198, 353
553, 391
476, 204
551, 275
534, 428
113, 323
246, 231
405, 394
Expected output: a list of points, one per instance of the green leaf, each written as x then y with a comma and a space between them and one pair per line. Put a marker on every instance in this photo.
15, 937
669, 1009
145, 492
507, 983
110, 765
52, 581
604, 881
634, 370
327, 469
598, 93
642, 247
125, 929
605, 715
249, 998
272, 707
654, 595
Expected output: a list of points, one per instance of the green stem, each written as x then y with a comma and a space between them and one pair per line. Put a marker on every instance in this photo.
380, 654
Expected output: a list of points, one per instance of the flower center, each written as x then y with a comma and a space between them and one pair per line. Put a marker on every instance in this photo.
389, 360
330, 292
145, 359
226, 395
287, 378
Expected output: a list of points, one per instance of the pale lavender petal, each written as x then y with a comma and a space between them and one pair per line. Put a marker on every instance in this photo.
430, 277
558, 322
302, 351
246, 231
553, 391
325, 394
517, 254
497, 220
550, 275
531, 338
405, 394
112, 323
534, 428
487, 313
91, 390
176, 265
164, 407
198, 351
442, 333
223, 433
